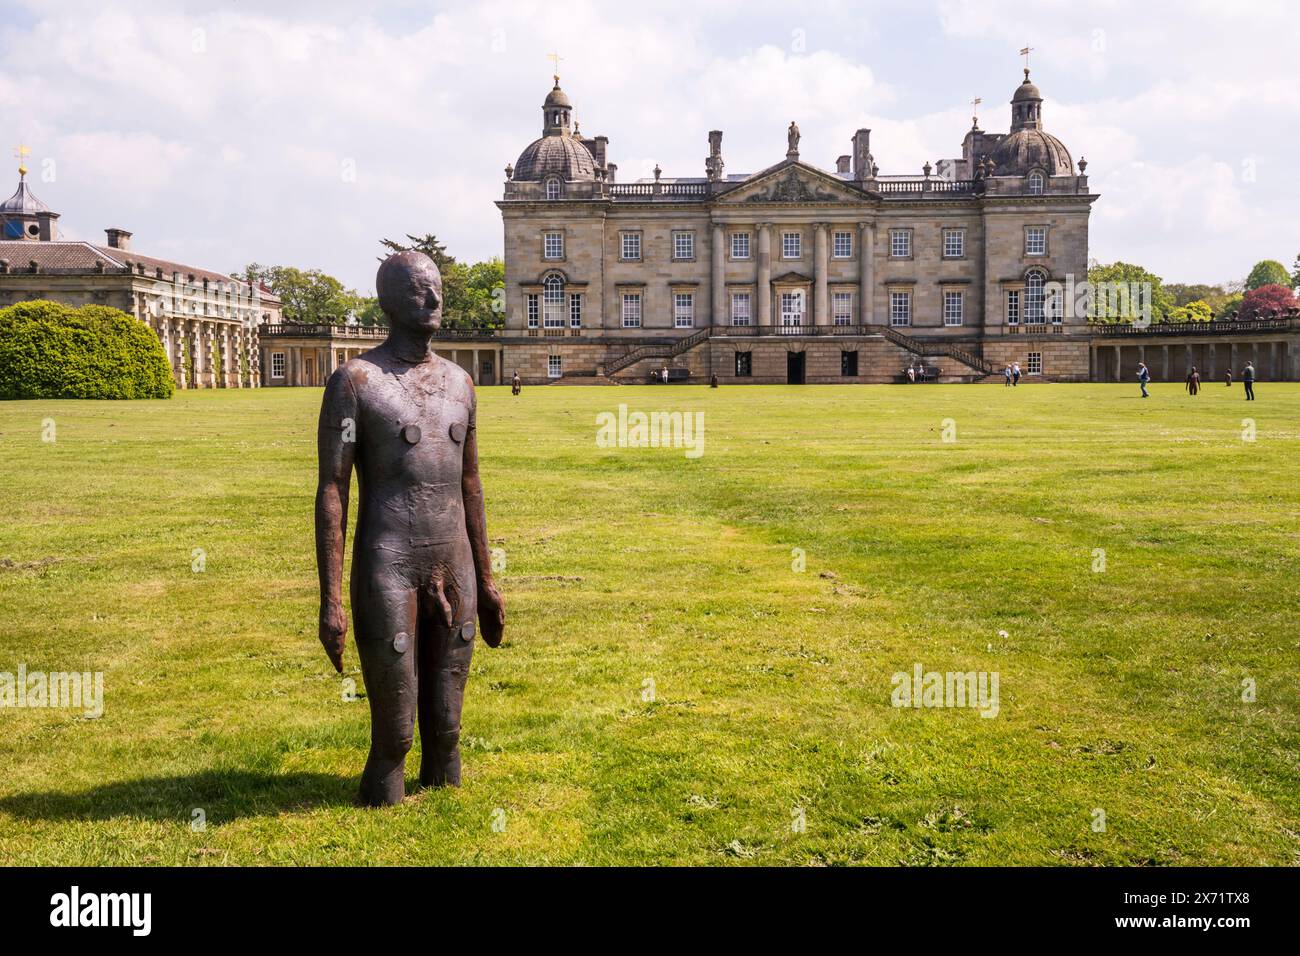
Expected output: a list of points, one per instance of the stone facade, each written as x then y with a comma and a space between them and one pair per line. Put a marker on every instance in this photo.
605, 278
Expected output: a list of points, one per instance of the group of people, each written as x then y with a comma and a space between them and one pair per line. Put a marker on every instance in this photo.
1193, 383
1011, 375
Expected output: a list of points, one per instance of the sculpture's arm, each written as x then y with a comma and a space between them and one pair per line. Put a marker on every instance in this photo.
336, 436
491, 606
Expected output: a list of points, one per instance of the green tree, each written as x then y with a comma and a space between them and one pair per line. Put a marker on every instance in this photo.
1128, 274
1181, 294
428, 244
1198, 311
370, 314
1295, 274
1268, 272
306, 295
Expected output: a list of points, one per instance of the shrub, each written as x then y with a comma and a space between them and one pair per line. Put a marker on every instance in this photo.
50, 350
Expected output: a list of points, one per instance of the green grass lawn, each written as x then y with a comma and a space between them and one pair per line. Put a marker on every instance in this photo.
1120, 690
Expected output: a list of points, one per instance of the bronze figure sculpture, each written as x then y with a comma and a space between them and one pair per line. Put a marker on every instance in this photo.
421, 567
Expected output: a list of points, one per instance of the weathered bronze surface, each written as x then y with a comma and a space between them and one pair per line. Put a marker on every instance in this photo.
421, 567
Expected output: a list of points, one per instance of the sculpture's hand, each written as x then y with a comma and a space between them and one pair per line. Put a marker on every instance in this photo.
491, 613
333, 633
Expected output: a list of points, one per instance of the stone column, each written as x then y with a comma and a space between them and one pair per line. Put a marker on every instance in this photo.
1119, 365
764, 290
225, 355
719, 276
1213, 359
1165, 374
866, 275
821, 309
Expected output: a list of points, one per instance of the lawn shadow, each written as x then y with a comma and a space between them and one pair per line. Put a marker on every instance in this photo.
222, 795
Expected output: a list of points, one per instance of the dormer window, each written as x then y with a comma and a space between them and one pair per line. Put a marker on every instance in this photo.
552, 188
1036, 183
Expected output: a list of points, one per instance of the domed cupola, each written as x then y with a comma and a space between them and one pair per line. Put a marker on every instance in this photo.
22, 215
559, 153
1028, 147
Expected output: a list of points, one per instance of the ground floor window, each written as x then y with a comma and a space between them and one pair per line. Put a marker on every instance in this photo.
842, 308
277, 365
740, 309
631, 310
744, 364
952, 308
683, 310
554, 366
900, 308
849, 363
1034, 363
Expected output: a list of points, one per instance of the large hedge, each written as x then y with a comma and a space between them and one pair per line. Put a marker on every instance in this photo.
50, 350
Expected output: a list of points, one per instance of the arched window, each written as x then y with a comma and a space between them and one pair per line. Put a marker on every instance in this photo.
552, 188
553, 301
1036, 183
1034, 296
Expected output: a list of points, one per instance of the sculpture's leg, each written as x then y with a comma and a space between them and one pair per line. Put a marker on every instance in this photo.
386, 624
444, 668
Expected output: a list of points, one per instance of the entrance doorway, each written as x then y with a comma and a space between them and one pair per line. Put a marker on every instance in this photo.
794, 367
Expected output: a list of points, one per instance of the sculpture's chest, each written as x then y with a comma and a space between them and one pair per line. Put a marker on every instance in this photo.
415, 421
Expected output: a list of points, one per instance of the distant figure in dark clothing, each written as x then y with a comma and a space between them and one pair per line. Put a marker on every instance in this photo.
516, 386
1144, 376
1193, 381
1248, 380
1006, 375
1015, 373
713, 380
1227, 377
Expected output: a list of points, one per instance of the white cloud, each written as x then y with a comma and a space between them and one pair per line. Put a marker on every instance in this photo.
220, 135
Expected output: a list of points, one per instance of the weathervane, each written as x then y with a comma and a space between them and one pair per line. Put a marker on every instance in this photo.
1024, 51
22, 152
974, 112
555, 58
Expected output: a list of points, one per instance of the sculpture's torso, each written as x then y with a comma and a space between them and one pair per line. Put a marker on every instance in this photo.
412, 423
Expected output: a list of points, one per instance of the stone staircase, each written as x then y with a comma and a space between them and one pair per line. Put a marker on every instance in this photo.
980, 369
666, 350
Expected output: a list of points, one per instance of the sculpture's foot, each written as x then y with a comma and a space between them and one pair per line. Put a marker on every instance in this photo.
441, 767
382, 786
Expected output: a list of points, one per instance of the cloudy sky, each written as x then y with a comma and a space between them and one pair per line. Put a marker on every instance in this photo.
299, 133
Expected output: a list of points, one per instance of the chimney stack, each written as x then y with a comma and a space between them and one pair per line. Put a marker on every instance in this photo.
118, 239
862, 155
842, 164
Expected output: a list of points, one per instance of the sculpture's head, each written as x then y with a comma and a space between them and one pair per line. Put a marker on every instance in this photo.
409, 286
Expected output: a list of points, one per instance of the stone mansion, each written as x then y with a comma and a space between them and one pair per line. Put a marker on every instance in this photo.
206, 321
795, 273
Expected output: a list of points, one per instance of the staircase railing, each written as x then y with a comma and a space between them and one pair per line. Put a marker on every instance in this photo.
938, 348
666, 350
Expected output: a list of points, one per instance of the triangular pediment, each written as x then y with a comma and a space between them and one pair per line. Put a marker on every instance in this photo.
792, 182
